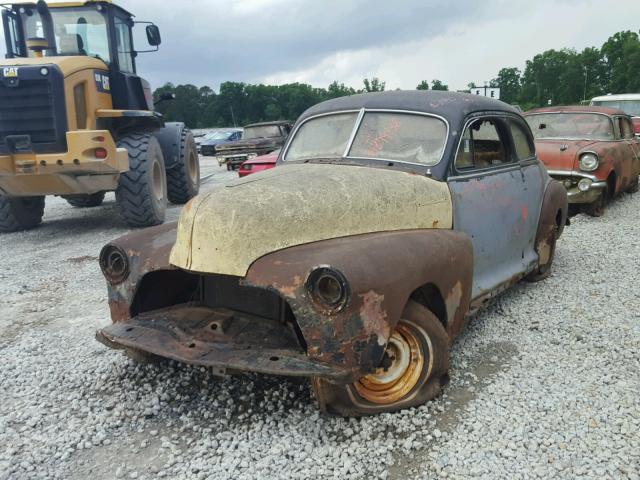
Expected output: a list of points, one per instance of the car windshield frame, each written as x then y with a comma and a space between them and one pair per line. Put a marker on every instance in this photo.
577, 137
360, 114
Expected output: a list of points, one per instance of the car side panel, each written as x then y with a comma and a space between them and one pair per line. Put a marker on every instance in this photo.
499, 211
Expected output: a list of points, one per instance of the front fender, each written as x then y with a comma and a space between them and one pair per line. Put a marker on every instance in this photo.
148, 251
383, 270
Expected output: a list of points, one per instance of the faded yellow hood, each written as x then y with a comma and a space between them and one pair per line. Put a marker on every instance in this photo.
68, 65
225, 230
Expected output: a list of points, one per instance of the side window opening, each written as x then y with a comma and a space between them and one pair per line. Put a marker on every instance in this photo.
522, 143
482, 146
626, 129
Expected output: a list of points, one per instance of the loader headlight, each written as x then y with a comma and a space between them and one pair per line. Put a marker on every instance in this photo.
589, 162
114, 264
44, 71
328, 289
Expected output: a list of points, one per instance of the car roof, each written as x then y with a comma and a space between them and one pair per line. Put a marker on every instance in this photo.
577, 109
453, 106
264, 124
621, 96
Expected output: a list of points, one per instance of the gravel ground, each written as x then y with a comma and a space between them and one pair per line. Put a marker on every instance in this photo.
544, 382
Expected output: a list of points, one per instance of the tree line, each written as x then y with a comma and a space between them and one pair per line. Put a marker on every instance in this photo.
556, 77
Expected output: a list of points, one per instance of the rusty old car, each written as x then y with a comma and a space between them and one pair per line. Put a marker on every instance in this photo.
591, 150
390, 218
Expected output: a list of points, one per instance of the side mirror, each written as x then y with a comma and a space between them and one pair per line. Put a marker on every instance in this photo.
153, 35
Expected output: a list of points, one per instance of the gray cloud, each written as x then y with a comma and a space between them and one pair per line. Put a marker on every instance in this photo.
206, 42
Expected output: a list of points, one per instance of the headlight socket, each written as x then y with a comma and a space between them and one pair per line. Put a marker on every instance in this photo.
328, 289
114, 263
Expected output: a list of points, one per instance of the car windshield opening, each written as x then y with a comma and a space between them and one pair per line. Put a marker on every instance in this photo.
630, 107
587, 126
219, 135
77, 31
266, 131
402, 137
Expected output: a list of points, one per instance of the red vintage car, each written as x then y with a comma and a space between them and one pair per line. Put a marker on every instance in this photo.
258, 164
591, 150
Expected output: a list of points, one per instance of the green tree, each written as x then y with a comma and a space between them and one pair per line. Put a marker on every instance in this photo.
508, 81
621, 54
424, 85
336, 90
438, 85
374, 85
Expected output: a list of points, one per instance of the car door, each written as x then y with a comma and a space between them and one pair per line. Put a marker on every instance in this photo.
496, 185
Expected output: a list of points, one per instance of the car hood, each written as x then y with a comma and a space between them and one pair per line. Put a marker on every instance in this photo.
225, 230
561, 154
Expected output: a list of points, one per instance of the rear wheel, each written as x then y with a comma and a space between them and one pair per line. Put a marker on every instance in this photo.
413, 370
20, 213
142, 191
85, 201
635, 186
183, 180
546, 249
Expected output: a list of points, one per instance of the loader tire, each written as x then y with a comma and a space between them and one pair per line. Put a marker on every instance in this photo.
85, 201
183, 180
142, 191
20, 213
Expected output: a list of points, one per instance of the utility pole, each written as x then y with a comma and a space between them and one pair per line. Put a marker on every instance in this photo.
233, 117
586, 72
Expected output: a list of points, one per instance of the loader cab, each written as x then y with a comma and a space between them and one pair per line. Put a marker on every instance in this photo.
100, 30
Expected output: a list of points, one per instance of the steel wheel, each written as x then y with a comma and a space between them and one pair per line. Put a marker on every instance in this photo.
413, 370
158, 182
404, 360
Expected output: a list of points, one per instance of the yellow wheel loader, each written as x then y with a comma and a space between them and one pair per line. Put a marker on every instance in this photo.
77, 121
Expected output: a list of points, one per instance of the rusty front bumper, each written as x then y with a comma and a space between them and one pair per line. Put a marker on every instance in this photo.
223, 339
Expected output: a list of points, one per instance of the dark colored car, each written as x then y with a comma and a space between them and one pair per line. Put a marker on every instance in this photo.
259, 164
591, 150
211, 140
390, 218
258, 139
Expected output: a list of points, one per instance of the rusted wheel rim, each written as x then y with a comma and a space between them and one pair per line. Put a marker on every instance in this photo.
407, 360
192, 168
157, 183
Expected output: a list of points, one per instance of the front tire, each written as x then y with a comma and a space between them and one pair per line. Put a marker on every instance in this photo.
142, 191
20, 213
415, 369
183, 180
597, 208
85, 201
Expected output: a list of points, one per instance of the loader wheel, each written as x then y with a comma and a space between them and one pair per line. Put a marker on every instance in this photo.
20, 213
85, 201
414, 370
142, 191
183, 180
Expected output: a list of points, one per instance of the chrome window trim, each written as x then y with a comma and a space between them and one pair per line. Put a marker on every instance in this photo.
361, 113
460, 175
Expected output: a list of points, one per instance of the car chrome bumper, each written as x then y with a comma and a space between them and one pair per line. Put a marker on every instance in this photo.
226, 340
570, 179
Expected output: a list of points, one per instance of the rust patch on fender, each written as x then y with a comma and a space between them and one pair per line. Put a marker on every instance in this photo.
374, 318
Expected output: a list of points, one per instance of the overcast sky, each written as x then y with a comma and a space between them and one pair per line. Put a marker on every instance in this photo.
402, 42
